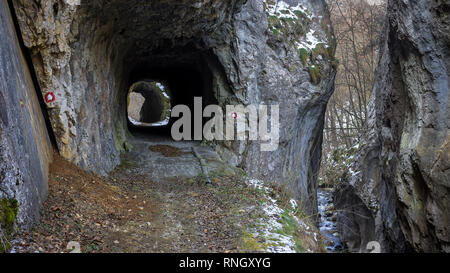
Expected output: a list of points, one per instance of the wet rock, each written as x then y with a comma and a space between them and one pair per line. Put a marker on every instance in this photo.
327, 224
330, 208
334, 217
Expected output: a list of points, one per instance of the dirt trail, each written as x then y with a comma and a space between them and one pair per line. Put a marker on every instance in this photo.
187, 217
157, 200
153, 202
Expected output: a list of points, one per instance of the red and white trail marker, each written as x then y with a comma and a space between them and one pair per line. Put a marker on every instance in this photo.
234, 115
49, 97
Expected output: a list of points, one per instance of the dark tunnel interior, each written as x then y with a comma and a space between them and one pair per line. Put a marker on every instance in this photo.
184, 71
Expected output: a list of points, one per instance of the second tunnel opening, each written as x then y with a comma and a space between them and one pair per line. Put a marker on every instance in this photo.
148, 104
167, 78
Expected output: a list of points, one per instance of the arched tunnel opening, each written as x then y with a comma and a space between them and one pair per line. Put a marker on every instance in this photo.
106, 48
169, 77
149, 104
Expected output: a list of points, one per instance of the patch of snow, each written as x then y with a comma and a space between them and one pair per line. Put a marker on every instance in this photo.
160, 86
283, 10
258, 184
311, 40
155, 124
293, 203
277, 243
165, 95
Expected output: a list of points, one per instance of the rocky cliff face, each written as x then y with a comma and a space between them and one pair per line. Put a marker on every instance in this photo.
25, 149
88, 53
401, 193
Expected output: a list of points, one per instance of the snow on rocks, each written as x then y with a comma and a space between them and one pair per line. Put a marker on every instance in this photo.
270, 224
283, 10
311, 40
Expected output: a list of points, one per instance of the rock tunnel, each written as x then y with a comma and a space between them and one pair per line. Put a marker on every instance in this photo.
89, 54
180, 75
102, 48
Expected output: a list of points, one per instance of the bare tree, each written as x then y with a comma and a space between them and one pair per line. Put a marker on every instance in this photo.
357, 27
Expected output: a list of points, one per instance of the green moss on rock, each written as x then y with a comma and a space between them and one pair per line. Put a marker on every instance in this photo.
300, 15
8, 211
304, 55
320, 50
8, 214
315, 74
292, 28
119, 136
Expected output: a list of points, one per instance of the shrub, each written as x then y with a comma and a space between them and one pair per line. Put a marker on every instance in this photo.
304, 55
314, 72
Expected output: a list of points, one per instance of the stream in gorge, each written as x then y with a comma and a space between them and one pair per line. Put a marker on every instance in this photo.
327, 224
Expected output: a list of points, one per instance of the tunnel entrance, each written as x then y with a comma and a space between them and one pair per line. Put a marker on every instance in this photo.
178, 75
108, 47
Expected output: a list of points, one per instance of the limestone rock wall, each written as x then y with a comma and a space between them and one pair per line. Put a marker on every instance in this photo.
277, 72
403, 181
272, 52
25, 148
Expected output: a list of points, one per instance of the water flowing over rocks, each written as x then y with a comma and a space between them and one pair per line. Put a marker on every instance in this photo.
399, 194
327, 222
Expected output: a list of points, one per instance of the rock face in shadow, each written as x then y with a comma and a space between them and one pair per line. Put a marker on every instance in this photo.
25, 148
246, 52
402, 187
